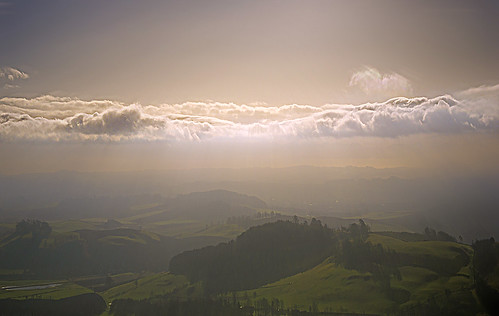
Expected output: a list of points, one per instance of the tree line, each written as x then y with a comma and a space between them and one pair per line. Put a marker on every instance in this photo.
260, 255
209, 307
272, 251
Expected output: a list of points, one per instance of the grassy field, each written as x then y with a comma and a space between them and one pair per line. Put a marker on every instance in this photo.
150, 286
328, 286
138, 217
190, 228
381, 226
382, 215
336, 288
224, 230
439, 249
11, 272
65, 289
493, 278
175, 228
72, 225
8, 226
423, 283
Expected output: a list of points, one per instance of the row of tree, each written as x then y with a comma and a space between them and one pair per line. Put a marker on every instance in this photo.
207, 307
37, 228
270, 252
485, 263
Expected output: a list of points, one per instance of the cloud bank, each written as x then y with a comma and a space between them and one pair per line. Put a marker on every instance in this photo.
49, 118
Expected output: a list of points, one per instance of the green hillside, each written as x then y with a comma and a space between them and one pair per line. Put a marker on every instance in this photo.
40, 289
279, 268
154, 285
332, 287
328, 285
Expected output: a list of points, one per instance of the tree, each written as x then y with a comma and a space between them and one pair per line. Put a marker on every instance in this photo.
37, 228
430, 233
109, 281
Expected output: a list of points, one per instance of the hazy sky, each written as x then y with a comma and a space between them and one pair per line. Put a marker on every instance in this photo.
119, 85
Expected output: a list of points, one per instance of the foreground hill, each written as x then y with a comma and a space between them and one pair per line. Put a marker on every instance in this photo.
312, 267
433, 276
260, 255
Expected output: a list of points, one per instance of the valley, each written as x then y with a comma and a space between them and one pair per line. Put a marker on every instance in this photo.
259, 259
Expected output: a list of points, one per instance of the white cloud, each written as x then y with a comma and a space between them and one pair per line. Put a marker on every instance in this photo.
373, 83
484, 99
70, 119
480, 91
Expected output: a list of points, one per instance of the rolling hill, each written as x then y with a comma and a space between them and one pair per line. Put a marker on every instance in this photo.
83, 252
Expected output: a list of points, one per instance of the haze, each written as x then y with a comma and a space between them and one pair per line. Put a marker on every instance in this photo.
249, 157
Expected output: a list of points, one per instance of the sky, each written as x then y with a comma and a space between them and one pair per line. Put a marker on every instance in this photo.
131, 85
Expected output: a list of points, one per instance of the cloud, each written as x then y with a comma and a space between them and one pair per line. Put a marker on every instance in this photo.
52, 118
12, 74
9, 75
375, 84
480, 91
10, 86
484, 99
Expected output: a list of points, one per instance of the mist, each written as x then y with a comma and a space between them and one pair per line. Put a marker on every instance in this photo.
249, 158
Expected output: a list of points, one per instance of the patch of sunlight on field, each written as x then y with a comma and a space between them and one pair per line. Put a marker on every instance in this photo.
121, 240
382, 227
141, 207
72, 225
137, 217
382, 215
440, 249
187, 228
224, 230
